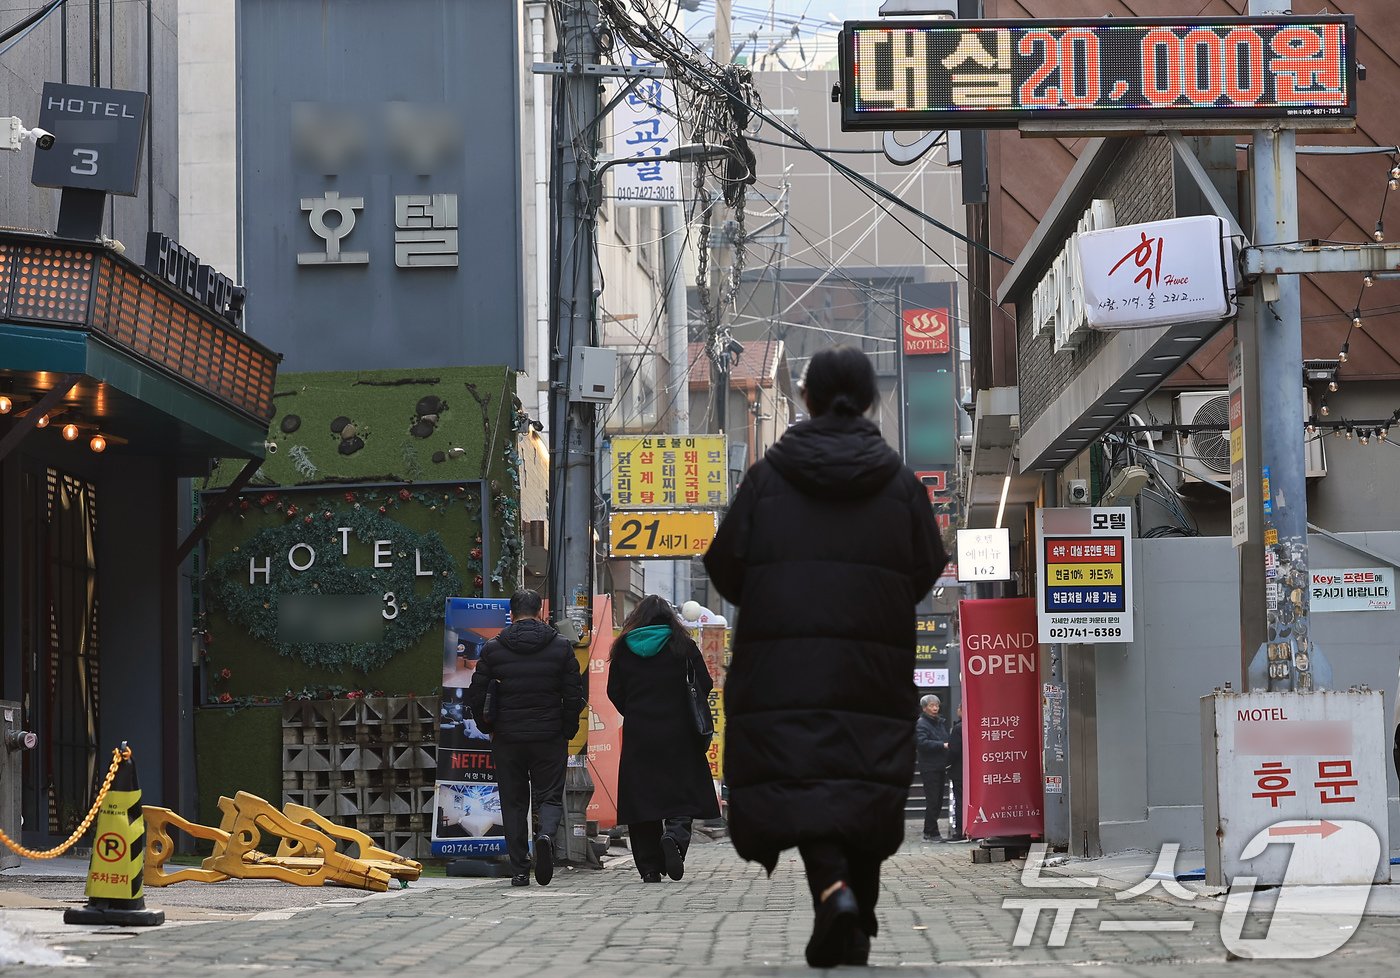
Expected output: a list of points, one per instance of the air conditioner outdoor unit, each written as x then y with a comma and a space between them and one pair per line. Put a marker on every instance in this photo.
1317, 451
1206, 454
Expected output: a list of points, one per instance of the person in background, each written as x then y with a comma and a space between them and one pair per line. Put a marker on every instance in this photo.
829, 545
538, 699
956, 810
1396, 718
931, 737
663, 778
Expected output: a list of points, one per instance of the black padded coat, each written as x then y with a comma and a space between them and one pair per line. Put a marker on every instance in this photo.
541, 691
663, 772
829, 545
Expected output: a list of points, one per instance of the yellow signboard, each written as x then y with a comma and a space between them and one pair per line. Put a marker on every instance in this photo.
1061, 574
661, 533
669, 472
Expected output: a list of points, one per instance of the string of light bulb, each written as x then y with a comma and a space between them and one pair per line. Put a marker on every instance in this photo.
70, 431
1367, 281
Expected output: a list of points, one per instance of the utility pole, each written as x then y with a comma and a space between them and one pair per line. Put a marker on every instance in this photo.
572, 424
677, 355
723, 44
720, 259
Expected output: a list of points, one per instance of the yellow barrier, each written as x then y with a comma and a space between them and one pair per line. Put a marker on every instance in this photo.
236, 854
399, 867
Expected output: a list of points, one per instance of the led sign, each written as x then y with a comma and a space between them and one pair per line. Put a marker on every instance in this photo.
988, 74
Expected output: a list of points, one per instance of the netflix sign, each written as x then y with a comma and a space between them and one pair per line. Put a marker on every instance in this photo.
926, 331
1001, 718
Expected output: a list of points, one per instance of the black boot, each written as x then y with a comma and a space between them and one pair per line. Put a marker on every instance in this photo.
835, 921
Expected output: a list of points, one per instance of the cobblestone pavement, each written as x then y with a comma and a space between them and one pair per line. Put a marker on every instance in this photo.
939, 913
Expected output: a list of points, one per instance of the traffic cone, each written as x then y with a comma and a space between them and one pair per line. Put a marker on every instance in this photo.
115, 887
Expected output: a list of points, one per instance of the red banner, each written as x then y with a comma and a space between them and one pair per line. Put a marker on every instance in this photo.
1001, 718
604, 726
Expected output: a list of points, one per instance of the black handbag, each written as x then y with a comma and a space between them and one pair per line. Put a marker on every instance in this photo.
699, 704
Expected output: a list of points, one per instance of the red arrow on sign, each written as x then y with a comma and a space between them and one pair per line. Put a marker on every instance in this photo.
1323, 828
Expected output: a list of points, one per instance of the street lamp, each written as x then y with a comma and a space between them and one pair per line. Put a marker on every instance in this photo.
684, 153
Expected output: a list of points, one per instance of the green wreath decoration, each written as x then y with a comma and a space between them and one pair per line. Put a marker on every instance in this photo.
254, 606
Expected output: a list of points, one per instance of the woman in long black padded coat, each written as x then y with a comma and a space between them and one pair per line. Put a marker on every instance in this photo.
829, 545
663, 778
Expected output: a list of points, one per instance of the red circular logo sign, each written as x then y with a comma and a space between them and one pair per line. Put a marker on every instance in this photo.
110, 847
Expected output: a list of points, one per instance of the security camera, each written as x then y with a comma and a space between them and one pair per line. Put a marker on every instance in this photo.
13, 133
270, 447
1078, 492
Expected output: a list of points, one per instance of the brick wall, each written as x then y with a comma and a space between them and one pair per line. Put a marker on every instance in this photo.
1140, 184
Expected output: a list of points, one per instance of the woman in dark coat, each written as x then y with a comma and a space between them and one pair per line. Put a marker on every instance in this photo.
663, 776
829, 545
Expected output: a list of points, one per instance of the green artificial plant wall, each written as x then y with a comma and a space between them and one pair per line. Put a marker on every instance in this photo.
411, 457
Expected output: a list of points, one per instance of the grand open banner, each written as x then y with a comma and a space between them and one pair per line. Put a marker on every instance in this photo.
1001, 718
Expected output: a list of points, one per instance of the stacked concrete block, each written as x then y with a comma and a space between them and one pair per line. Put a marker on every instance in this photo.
366, 762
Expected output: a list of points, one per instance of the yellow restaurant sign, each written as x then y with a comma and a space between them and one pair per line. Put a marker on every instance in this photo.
672, 533
669, 472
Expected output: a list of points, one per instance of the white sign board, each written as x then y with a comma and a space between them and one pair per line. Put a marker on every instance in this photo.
984, 555
645, 124
1295, 787
930, 677
1176, 271
1353, 589
1058, 302
1084, 574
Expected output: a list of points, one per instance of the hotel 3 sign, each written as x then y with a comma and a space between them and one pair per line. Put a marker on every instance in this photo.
926, 331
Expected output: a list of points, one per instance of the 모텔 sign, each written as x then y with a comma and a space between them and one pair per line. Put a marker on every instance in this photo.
987, 74
1304, 771
1084, 562
926, 331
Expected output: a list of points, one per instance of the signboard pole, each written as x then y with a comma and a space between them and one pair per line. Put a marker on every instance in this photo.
1254, 626
1054, 747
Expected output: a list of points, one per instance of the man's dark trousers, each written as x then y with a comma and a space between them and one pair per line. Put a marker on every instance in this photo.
935, 778
520, 768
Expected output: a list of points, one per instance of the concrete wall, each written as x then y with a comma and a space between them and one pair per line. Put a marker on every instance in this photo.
134, 50
1150, 778
208, 133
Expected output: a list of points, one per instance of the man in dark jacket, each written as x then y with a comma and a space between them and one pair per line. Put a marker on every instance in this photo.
931, 738
531, 675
